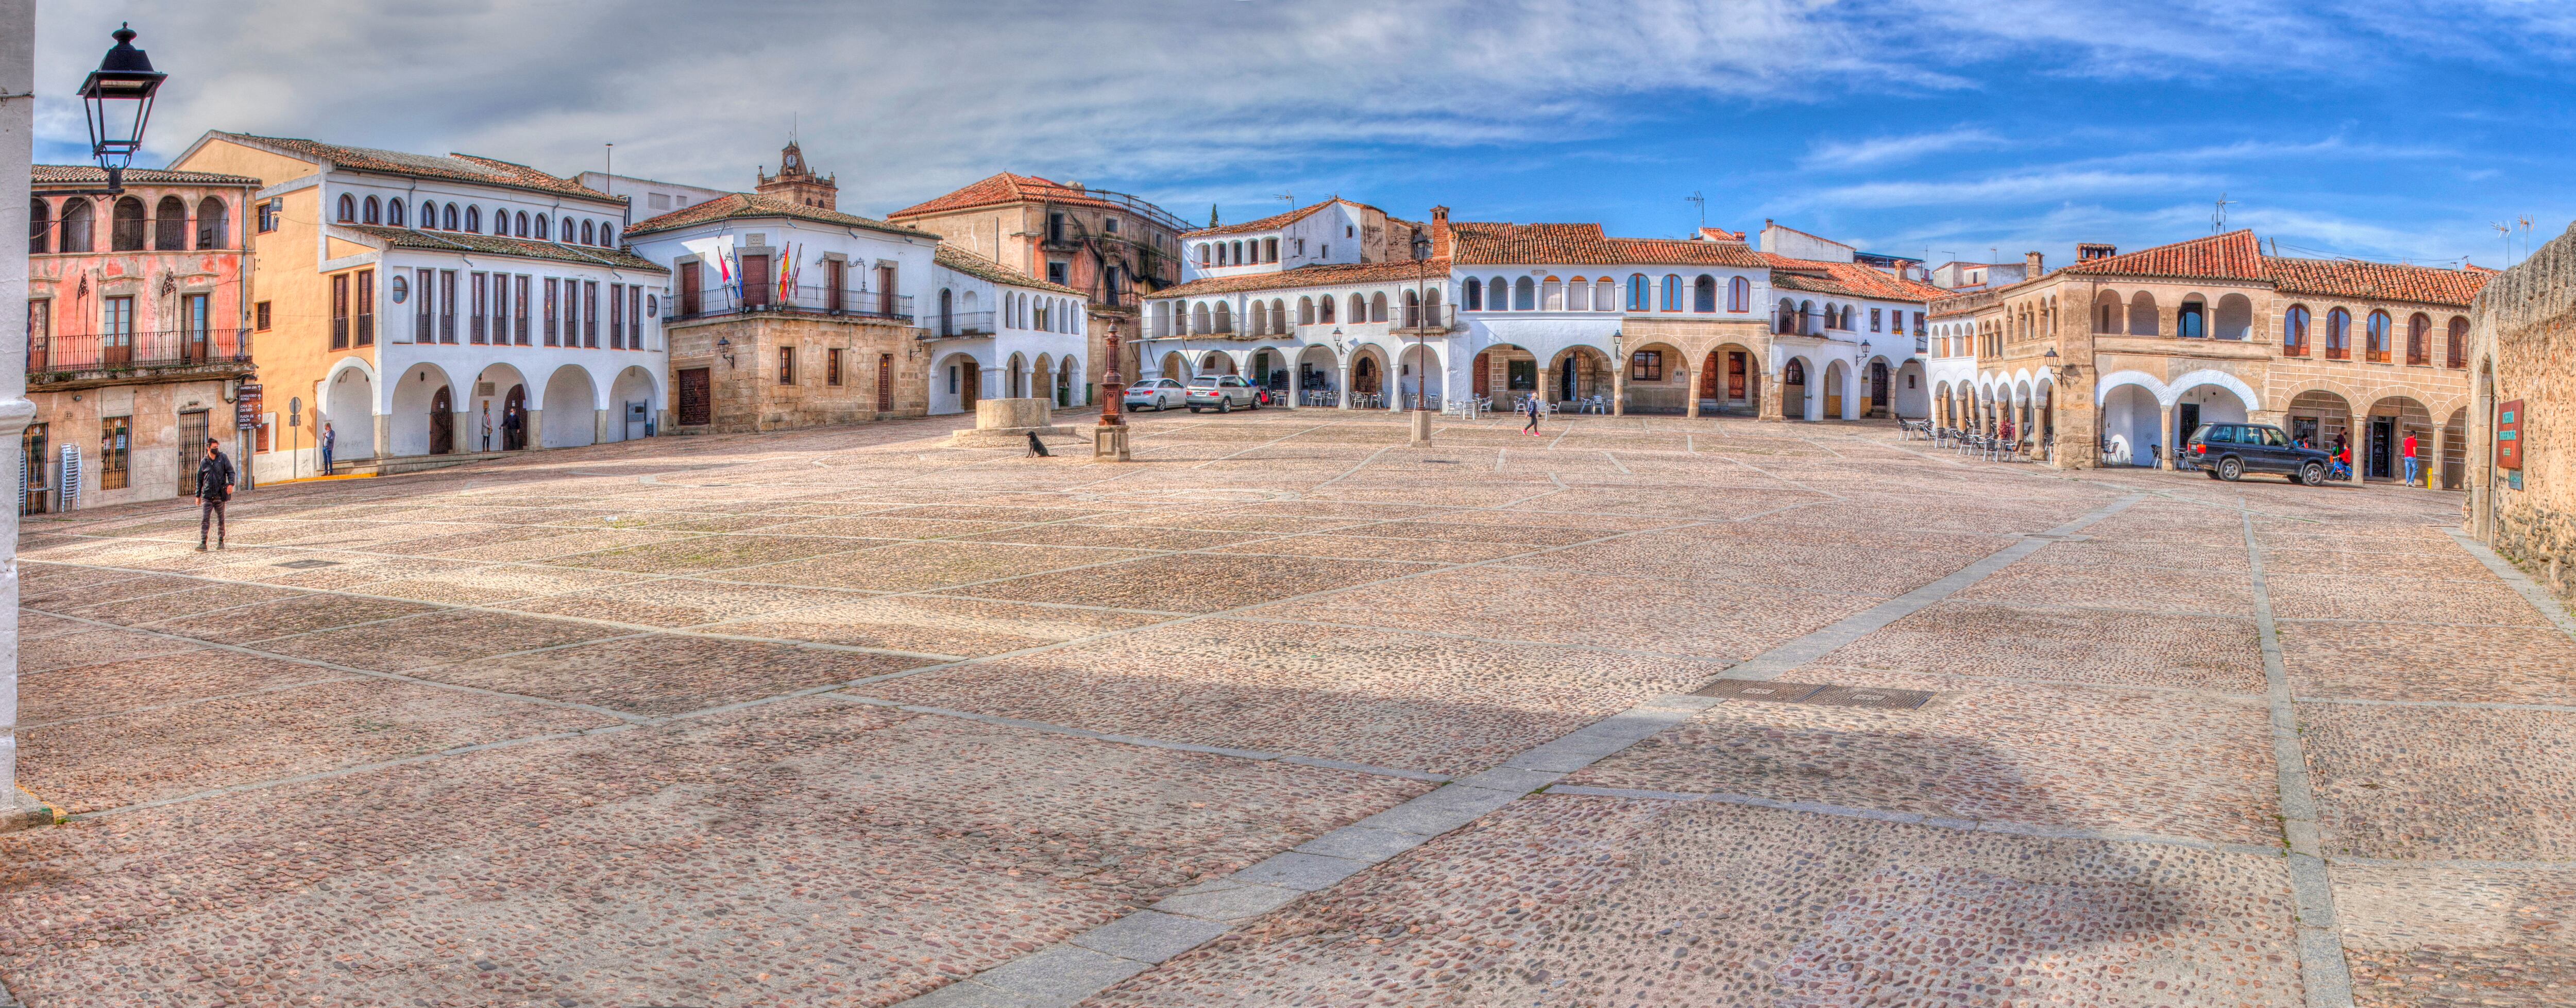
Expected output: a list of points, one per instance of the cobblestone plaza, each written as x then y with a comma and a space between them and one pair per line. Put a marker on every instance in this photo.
1644, 711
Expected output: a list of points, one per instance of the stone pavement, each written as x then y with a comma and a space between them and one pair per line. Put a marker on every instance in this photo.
1650, 711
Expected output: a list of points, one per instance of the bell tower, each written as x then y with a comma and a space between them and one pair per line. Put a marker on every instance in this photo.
798, 183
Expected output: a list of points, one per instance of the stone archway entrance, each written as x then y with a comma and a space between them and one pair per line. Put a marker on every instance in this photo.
442, 422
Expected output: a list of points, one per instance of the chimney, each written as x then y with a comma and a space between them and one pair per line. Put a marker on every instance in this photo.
2089, 251
1440, 232
2030, 264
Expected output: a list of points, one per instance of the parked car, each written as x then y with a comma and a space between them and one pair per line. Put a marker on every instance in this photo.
1159, 393
2227, 451
1221, 393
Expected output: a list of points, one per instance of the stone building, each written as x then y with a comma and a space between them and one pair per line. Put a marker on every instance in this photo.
138, 332
2118, 358
1111, 247
2522, 336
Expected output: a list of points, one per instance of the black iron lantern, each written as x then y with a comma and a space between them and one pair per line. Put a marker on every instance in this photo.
118, 96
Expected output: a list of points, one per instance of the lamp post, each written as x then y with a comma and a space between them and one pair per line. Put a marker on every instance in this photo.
117, 101
1421, 340
1109, 440
1860, 373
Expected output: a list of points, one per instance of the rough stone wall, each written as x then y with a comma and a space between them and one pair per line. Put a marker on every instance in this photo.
748, 395
2523, 327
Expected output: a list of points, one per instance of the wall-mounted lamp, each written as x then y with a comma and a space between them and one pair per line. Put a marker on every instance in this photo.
724, 348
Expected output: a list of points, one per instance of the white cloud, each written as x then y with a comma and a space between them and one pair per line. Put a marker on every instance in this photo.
2046, 185
1881, 151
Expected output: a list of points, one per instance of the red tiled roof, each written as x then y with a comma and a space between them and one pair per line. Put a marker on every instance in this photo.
1274, 221
1002, 188
979, 267
1477, 243
49, 174
2376, 281
461, 241
1847, 279
732, 206
2231, 256
451, 167
1319, 275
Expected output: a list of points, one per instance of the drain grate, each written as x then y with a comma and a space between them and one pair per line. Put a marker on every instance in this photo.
1753, 689
308, 564
1863, 696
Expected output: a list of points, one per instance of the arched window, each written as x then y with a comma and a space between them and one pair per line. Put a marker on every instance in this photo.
1324, 309
1794, 373
40, 230
474, 220
2378, 332
170, 224
428, 216
2419, 339
1672, 292
1605, 295
1359, 310
1578, 294
1639, 293
1704, 294
1412, 310
545, 232
1498, 294
1431, 305
1203, 253
1524, 294
212, 227
1306, 309
523, 223
1235, 252
1224, 316
2192, 321
447, 219
1199, 318
370, 213
2294, 331
2457, 354
79, 225
1377, 307
1278, 316
348, 209
1551, 294
1739, 295
1475, 294
125, 233
608, 236
587, 235
2338, 335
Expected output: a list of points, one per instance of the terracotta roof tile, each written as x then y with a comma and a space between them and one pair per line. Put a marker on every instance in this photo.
520, 248
2231, 256
2376, 281
1319, 275
450, 167
1274, 221
1478, 243
733, 206
47, 174
1002, 188
977, 266
1847, 279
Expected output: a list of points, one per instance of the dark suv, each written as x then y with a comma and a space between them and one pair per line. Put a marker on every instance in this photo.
2230, 450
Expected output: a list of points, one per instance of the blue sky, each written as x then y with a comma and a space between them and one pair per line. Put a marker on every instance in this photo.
2391, 130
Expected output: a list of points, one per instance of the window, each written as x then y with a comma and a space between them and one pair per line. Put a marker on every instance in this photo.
1055, 272
1270, 249
1605, 295
2338, 335
474, 287
586, 237
339, 311
1646, 365
501, 309
1109, 224
373, 212
348, 209
1739, 295
2419, 339
267, 216
522, 229
125, 233
787, 365
116, 342
1672, 292
2457, 354
2377, 330
2294, 332
519, 311
542, 229
1475, 295
259, 316
1324, 250
590, 314
617, 316
832, 367
885, 383
394, 213
366, 307
1704, 294
1552, 294
1203, 254
474, 220
1640, 293
607, 235
1873, 320
1524, 294
551, 311
447, 306
211, 231
634, 317
447, 220
114, 437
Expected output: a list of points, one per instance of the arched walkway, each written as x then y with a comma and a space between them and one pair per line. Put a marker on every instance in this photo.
1318, 373
1794, 383
1658, 380
570, 415
2319, 418
1578, 374
417, 429
1216, 362
2195, 405
2383, 437
1909, 396
2455, 450
1017, 378
350, 409
955, 383
1368, 373
1068, 383
631, 398
497, 392
1503, 373
2131, 424
1423, 378
1837, 381
1175, 366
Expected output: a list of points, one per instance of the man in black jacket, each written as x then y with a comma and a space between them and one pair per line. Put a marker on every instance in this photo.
214, 487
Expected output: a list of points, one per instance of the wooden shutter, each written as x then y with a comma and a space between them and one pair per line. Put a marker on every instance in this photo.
688, 289
755, 280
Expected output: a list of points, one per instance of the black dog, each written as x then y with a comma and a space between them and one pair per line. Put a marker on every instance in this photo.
1037, 447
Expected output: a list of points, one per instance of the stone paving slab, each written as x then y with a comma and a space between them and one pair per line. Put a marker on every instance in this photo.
2443, 783
1519, 602
926, 565
287, 617
2125, 649
2432, 936
2381, 600
94, 690
1191, 582
91, 647
2458, 664
936, 624
2110, 586
437, 638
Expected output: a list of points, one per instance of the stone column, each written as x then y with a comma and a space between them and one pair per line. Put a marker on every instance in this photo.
2164, 434
384, 435
1546, 383
1618, 388
1342, 386
1771, 406
17, 138
532, 424
600, 419
1690, 407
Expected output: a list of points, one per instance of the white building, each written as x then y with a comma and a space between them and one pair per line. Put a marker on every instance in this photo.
997, 332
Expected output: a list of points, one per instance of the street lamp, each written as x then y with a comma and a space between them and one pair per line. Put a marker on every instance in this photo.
1422, 320
118, 101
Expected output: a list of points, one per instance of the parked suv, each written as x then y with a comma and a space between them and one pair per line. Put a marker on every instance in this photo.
1159, 393
1221, 393
2230, 450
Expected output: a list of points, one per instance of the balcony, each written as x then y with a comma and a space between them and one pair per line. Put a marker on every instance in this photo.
850, 303
76, 361
958, 325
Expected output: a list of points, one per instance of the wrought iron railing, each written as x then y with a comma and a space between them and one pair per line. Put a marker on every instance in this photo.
66, 357
958, 325
854, 302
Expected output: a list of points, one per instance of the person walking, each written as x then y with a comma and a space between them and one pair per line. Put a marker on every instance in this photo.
513, 430
487, 425
1531, 406
214, 488
327, 437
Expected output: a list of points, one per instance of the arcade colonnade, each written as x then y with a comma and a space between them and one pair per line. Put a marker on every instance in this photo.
438, 407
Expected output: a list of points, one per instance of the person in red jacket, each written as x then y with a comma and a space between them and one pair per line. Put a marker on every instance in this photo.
2410, 458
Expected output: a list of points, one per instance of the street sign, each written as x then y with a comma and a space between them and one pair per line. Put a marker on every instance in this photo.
2508, 447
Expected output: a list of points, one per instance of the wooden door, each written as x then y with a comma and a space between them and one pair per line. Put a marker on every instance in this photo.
885, 383
696, 408
442, 423
969, 382
689, 296
1484, 377
1734, 375
755, 281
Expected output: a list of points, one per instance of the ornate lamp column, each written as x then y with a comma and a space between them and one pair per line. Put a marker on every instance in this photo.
1109, 440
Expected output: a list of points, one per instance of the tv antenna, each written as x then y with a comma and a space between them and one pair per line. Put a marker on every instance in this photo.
1702, 201
1289, 198
2218, 216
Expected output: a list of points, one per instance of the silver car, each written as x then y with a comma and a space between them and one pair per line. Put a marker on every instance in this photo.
1221, 393
1159, 393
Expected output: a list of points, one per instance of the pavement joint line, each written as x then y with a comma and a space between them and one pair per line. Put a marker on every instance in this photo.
2323, 972
243, 788
1352, 471
1816, 644
1265, 444
190, 702
1440, 811
2009, 828
2454, 864
1255, 755
2521, 583
2447, 704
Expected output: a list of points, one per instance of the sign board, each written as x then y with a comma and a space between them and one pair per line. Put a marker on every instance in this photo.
2508, 447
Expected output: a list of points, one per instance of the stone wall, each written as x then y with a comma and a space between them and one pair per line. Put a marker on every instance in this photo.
2522, 338
748, 394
